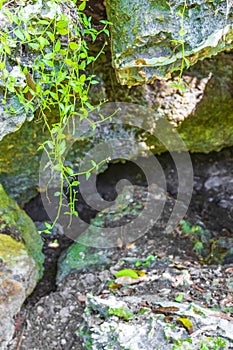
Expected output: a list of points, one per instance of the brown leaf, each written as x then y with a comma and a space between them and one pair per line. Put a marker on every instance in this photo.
165, 310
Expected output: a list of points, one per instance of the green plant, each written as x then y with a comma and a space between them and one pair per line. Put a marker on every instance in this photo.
207, 343
54, 81
197, 234
179, 297
145, 262
125, 313
181, 84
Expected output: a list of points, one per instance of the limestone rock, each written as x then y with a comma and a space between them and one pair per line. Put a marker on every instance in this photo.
145, 35
163, 324
21, 262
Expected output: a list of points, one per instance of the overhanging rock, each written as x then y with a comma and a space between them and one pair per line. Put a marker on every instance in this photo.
145, 34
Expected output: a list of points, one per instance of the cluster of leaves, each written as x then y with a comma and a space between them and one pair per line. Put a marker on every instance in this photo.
208, 343
197, 234
55, 77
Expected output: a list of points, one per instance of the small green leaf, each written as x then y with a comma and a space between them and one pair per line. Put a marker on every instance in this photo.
49, 63
51, 36
83, 55
43, 21
34, 46
69, 62
48, 225
7, 49
82, 65
93, 82
69, 171
43, 42
61, 24
62, 31
57, 46
19, 34
182, 32
87, 175
74, 46
75, 183
54, 95
57, 194
121, 312
179, 297
48, 56
2, 65
127, 272
198, 247
82, 6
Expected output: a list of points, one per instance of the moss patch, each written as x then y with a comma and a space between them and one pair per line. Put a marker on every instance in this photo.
15, 222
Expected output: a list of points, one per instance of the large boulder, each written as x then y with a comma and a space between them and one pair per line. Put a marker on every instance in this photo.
146, 35
202, 115
21, 262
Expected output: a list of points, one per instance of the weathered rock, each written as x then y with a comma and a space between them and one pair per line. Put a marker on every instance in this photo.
79, 257
145, 35
21, 262
163, 324
202, 115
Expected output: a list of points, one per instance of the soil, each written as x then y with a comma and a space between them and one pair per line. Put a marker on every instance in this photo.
52, 315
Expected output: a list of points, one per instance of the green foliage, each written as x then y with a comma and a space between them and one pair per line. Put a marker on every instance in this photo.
207, 343
146, 262
179, 297
125, 313
121, 312
127, 273
196, 233
54, 79
180, 43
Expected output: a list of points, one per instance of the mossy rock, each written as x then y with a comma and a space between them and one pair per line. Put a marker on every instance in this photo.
146, 34
15, 223
79, 257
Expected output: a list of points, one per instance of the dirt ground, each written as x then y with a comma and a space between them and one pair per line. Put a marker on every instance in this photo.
52, 315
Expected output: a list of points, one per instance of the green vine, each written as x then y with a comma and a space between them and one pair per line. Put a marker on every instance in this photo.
54, 78
181, 84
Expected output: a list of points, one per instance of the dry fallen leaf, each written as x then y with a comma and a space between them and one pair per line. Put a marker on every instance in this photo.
229, 270
186, 323
165, 310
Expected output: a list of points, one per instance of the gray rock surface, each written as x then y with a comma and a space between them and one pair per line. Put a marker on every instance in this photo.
153, 328
145, 35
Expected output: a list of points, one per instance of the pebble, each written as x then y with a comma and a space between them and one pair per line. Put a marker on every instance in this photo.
40, 309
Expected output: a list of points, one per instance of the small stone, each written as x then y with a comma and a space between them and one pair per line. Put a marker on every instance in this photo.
40, 309
63, 341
